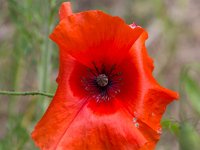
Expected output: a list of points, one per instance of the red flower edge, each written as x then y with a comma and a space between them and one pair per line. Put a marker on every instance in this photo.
107, 97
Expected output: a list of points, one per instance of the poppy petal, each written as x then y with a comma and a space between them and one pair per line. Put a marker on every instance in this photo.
149, 102
156, 97
65, 10
89, 131
62, 110
85, 36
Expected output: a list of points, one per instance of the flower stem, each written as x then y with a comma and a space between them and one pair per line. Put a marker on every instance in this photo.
50, 95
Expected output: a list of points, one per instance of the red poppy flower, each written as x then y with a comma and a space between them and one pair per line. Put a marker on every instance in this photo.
107, 98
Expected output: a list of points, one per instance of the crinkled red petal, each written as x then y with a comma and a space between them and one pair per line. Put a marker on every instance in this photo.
65, 10
91, 35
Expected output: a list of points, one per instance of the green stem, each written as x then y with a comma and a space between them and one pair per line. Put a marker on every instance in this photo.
26, 93
46, 52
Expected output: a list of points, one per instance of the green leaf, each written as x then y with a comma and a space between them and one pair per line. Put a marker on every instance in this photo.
189, 138
173, 127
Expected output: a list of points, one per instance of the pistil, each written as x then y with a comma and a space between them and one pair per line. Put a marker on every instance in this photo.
102, 80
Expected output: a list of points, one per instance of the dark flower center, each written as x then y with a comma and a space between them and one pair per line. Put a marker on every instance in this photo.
102, 80
102, 83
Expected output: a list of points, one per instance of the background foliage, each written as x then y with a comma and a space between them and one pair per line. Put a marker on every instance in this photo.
29, 62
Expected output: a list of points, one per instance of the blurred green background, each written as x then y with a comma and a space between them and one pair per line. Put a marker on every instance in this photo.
29, 62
